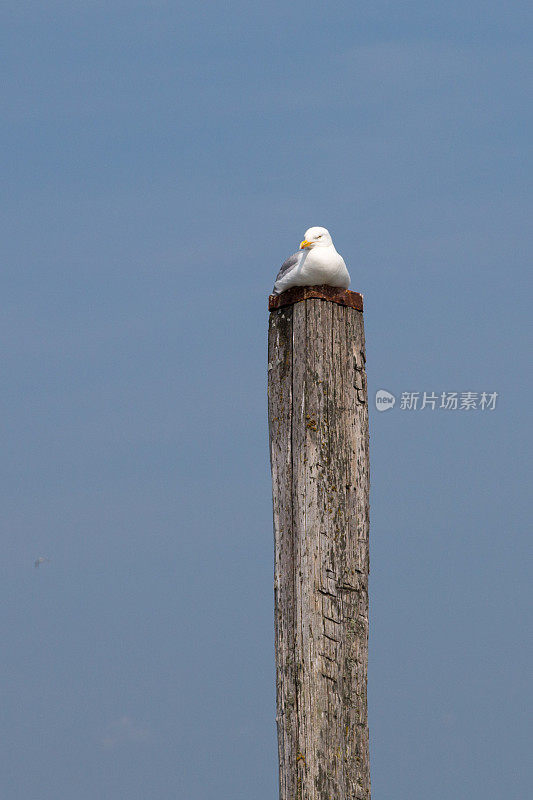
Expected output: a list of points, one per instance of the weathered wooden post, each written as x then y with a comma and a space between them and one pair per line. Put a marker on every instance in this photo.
318, 421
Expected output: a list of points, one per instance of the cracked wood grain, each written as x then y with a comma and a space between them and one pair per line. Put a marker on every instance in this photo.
318, 423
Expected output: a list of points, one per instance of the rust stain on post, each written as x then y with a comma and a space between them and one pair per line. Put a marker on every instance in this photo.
343, 297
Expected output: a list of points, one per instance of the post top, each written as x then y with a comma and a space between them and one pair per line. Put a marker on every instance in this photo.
343, 297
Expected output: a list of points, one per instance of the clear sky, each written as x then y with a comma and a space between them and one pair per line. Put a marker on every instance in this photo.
159, 161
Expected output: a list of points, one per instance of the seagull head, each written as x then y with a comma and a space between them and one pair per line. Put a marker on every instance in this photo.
316, 237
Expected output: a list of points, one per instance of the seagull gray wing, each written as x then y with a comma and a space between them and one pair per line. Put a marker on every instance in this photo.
292, 265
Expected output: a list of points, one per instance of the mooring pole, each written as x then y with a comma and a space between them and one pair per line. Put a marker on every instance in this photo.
318, 422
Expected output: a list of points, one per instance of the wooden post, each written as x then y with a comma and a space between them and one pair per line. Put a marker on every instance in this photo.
318, 422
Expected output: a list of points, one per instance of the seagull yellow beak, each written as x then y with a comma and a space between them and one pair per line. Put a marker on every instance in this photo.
305, 244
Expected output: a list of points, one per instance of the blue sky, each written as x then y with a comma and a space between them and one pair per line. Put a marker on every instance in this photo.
159, 162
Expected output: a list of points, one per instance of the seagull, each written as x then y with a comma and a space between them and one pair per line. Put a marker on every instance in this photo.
40, 561
316, 263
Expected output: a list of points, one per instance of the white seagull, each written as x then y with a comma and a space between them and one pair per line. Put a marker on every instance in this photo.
317, 263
